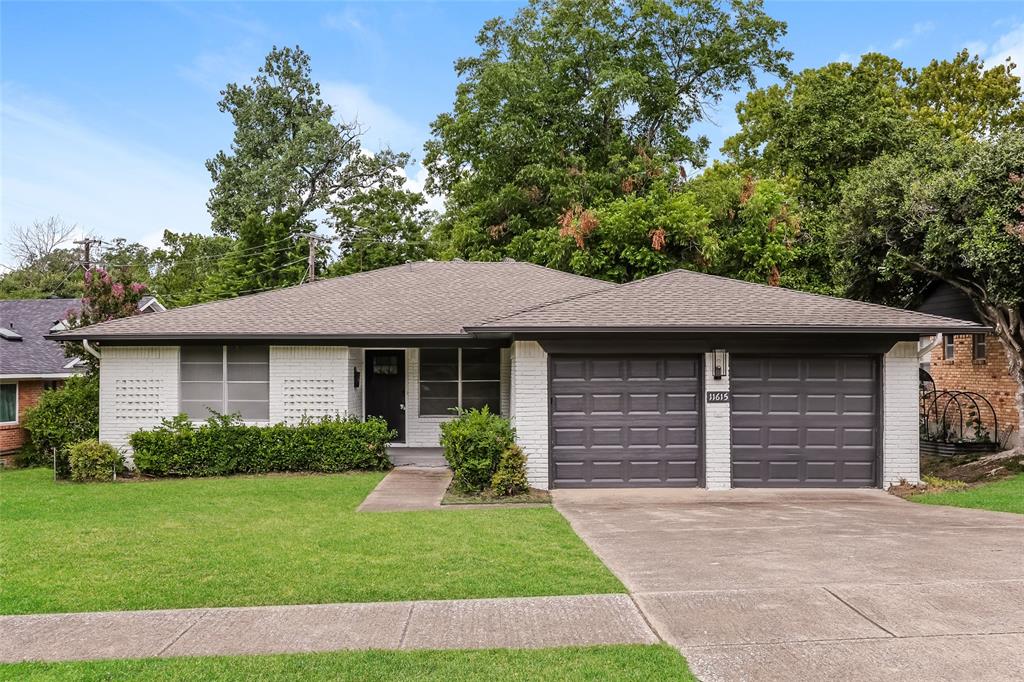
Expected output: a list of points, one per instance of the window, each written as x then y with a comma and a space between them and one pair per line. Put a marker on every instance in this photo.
227, 380
948, 349
459, 377
9, 403
980, 346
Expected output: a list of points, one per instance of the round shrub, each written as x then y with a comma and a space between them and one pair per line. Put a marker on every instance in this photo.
473, 443
61, 418
510, 477
92, 460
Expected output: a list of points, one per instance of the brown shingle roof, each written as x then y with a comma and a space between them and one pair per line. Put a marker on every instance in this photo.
416, 299
691, 301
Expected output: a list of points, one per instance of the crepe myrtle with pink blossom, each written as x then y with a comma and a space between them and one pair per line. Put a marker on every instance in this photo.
105, 296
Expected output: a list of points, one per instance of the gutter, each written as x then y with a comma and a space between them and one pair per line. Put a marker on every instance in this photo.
759, 329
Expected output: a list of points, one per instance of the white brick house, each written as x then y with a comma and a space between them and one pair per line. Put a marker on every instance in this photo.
681, 379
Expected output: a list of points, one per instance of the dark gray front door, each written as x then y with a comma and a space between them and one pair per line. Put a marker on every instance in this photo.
385, 388
625, 420
804, 421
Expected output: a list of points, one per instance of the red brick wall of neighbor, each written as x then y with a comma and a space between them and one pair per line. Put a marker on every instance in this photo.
989, 377
12, 436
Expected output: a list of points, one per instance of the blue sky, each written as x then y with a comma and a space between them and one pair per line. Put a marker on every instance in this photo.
109, 109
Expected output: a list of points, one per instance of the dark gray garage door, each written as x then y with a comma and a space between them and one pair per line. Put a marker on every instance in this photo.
805, 422
625, 421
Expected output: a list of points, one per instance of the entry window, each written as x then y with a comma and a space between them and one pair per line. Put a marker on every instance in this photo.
8, 403
226, 380
459, 377
980, 346
948, 348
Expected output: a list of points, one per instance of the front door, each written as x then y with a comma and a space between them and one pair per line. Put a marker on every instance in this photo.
385, 388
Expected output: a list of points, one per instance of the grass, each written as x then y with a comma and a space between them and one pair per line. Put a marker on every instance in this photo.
632, 662
1006, 495
267, 540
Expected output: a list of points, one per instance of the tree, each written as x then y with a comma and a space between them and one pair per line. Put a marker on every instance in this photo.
182, 266
58, 273
384, 226
947, 211
105, 296
266, 255
29, 244
577, 103
288, 152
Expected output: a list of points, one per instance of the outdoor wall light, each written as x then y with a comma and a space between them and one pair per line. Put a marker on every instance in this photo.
355, 377
721, 363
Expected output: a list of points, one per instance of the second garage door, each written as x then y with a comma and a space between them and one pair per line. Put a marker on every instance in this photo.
804, 422
625, 420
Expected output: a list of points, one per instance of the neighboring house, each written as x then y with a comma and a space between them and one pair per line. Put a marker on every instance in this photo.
681, 379
29, 364
970, 362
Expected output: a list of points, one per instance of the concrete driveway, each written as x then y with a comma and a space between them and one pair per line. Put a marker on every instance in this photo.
816, 585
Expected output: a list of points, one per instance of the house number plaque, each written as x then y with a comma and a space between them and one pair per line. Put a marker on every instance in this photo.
718, 396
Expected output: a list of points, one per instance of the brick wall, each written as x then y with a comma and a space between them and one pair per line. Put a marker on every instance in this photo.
529, 407
717, 435
901, 451
989, 377
13, 436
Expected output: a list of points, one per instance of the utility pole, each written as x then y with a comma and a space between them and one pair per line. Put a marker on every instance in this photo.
87, 243
312, 257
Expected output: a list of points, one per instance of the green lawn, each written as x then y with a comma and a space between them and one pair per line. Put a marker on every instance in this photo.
267, 540
591, 663
1006, 496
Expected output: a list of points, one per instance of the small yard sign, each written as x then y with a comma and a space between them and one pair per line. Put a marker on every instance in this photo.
718, 396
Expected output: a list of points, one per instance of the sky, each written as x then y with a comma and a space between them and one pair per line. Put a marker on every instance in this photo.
108, 111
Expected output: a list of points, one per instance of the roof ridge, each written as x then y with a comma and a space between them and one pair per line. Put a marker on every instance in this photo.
573, 297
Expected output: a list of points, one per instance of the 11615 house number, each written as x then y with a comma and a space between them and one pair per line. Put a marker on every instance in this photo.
718, 396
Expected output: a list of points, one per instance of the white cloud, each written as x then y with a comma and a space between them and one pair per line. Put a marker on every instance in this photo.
899, 43
382, 125
922, 27
54, 165
1008, 46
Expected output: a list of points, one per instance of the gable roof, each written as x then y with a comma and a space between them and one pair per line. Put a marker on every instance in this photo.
411, 300
689, 301
23, 349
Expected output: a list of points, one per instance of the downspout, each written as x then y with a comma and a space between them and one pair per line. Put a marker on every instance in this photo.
89, 349
922, 352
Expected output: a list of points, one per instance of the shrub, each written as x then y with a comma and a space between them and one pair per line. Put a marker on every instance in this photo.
510, 478
224, 445
91, 460
473, 443
60, 419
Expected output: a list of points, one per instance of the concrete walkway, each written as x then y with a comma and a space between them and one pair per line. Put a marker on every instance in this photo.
816, 584
532, 622
408, 488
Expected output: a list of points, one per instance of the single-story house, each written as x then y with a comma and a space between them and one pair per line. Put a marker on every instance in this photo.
682, 379
971, 362
29, 364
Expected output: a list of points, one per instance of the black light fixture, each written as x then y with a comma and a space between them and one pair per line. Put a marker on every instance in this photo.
720, 363
355, 377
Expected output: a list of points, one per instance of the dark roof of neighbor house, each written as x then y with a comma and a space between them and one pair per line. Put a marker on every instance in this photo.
23, 349
411, 300
457, 298
944, 299
689, 301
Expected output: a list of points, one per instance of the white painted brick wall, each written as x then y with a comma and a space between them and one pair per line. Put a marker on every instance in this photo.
901, 450
138, 388
308, 381
717, 433
420, 432
529, 407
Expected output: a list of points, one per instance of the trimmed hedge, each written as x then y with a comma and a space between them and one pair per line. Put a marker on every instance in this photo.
473, 444
224, 445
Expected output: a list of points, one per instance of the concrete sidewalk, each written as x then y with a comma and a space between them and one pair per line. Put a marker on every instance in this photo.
531, 622
408, 488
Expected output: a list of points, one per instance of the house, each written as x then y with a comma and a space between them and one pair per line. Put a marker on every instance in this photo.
29, 364
970, 362
681, 379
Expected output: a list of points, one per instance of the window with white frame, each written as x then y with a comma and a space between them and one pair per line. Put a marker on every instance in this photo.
9, 403
459, 377
226, 380
980, 346
948, 347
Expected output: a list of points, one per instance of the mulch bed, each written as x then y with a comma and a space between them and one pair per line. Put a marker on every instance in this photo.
972, 470
534, 496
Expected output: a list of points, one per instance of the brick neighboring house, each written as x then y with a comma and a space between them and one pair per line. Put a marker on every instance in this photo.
31, 364
971, 362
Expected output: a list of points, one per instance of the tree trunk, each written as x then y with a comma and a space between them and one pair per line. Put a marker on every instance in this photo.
1009, 328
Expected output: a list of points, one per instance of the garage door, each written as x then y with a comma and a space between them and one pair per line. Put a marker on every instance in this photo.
620, 421
805, 422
